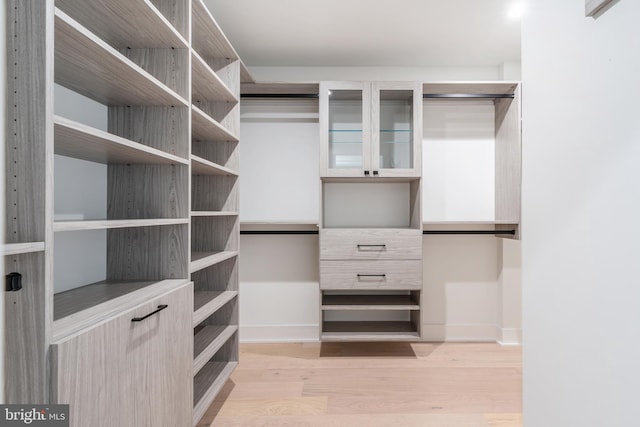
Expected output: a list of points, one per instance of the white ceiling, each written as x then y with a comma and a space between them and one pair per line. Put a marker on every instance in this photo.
404, 33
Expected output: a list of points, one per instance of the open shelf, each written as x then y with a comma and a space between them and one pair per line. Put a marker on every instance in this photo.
146, 28
214, 213
200, 260
207, 384
22, 248
81, 307
205, 303
59, 226
73, 139
204, 127
208, 341
86, 64
200, 166
206, 84
369, 302
369, 331
207, 37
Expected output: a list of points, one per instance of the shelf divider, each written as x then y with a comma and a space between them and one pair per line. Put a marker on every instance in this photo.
205, 303
59, 226
200, 166
200, 260
208, 341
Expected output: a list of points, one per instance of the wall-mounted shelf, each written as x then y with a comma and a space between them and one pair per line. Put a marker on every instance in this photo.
204, 127
208, 341
22, 248
200, 260
200, 166
214, 213
60, 226
205, 303
206, 83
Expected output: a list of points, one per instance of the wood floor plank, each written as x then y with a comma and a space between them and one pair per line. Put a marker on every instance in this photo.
274, 406
257, 390
504, 420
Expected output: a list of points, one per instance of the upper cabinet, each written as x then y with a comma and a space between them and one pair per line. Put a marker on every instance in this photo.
370, 129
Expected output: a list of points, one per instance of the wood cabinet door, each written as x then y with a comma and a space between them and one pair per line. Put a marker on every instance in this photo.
129, 373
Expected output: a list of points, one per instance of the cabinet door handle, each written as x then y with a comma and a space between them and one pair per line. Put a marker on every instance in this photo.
382, 246
375, 172
372, 275
160, 308
366, 173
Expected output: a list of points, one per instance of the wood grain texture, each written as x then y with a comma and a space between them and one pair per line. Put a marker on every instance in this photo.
201, 260
147, 191
205, 127
205, 303
147, 253
415, 204
279, 88
398, 275
369, 302
508, 159
206, 85
224, 198
200, 166
76, 140
207, 37
214, 213
369, 331
61, 226
178, 13
208, 341
164, 128
228, 114
83, 307
339, 244
412, 384
156, 355
170, 66
223, 276
245, 74
212, 234
224, 153
86, 64
207, 384
22, 248
146, 26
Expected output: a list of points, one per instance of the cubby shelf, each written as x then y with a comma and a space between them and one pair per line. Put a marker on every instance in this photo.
22, 248
200, 166
87, 305
149, 29
214, 213
73, 139
369, 331
204, 127
87, 65
205, 303
369, 302
60, 226
206, 84
208, 341
207, 384
200, 260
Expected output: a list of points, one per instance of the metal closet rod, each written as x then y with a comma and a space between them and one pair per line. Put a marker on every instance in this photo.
424, 96
273, 232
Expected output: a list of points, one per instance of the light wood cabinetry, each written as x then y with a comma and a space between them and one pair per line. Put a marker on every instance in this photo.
164, 166
370, 129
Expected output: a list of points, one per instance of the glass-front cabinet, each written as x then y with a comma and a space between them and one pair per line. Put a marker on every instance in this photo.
370, 129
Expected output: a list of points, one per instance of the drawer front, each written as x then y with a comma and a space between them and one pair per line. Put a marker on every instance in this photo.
371, 275
370, 244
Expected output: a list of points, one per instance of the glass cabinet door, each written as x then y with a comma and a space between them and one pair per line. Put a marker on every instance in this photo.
345, 123
397, 129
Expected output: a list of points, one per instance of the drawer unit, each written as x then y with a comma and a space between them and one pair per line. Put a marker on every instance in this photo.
370, 244
382, 275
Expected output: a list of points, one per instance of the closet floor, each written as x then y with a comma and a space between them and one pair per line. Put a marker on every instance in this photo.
372, 385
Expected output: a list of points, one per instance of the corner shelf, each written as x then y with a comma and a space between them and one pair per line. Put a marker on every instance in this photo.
87, 65
59, 226
208, 383
22, 248
208, 341
79, 141
205, 303
206, 83
200, 260
200, 166
204, 127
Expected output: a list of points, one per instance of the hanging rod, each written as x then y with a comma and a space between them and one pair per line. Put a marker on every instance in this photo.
275, 232
280, 95
509, 232
467, 95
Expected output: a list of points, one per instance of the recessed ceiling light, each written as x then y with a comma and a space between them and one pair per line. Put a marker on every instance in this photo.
516, 10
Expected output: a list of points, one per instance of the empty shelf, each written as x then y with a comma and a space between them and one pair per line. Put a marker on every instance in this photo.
208, 341
87, 65
200, 166
369, 331
200, 260
207, 37
145, 28
206, 303
204, 127
22, 248
214, 213
206, 84
207, 385
115, 223
369, 302
73, 139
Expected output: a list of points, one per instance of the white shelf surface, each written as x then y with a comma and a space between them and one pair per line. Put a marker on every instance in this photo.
206, 85
86, 64
205, 303
59, 226
22, 248
205, 128
73, 139
207, 384
208, 341
200, 260
200, 166
145, 28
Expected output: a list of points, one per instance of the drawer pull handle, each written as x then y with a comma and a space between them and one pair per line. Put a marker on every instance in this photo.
160, 308
382, 246
372, 275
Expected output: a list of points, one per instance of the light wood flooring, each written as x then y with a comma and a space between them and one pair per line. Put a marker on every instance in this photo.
372, 385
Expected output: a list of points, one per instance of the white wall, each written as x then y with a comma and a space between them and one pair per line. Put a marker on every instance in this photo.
581, 204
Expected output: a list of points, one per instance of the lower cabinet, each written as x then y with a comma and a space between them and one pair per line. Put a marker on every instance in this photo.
131, 371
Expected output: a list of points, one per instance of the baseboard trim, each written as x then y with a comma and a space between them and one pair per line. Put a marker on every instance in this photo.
459, 333
279, 333
509, 336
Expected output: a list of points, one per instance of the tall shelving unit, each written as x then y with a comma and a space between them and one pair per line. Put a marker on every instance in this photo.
168, 81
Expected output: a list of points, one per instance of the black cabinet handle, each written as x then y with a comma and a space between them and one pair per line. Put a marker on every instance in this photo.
366, 173
372, 275
382, 246
375, 173
160, 308
13, 282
